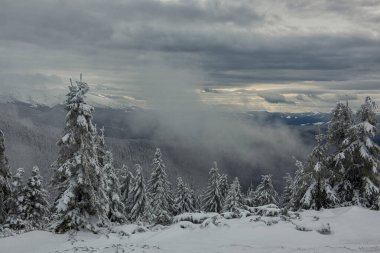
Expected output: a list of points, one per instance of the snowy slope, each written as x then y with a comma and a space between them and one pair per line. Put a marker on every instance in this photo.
353, 229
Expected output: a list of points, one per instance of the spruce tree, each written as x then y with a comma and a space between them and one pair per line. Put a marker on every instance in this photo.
286, 198
16, 203
234, 199
340, 123
320, 193
116, 206
359, 157
116, 211
224, 186
138, 196
5, 177
36, 207
265, 192
82, 201
213, 199
300, 185
184, 199
160, 196
126, 184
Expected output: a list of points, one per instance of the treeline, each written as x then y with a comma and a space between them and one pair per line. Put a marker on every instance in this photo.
91, 194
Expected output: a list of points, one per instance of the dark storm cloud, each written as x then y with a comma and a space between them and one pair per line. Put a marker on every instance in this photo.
335, 44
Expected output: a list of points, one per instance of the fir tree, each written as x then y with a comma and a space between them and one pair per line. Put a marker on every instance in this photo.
82, 200
16, 203
5, 177
300, 185
36, 207
265, 193
224, 186
116, 207
341, 121
359, 159
184, 199
319, 192
138, 196
286, 197
126, 183
160, 196
213, 199
234, 199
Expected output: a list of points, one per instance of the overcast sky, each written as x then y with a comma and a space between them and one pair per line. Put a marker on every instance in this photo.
274, 55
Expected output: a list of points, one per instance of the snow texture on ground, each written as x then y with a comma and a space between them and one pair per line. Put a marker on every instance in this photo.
353, 229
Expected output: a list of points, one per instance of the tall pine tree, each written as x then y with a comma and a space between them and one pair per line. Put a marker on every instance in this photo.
160, 196
82, 201
213, 199
359, 159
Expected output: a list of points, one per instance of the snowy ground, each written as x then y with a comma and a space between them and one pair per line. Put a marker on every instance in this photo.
353, 229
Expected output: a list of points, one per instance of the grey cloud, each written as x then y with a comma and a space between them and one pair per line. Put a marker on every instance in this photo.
274, 98
227, 43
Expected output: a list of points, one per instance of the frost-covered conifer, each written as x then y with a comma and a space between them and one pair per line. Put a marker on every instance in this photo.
16, 203
301, 183
213, 199
224, 186
286, 198
184, 199
117, 207
126, 183
36, 205
5, 177
265, 193
359, 157
250, 196
116, 211
340, 123
82, 201
160, 195
234, 199
138, 198
319, 193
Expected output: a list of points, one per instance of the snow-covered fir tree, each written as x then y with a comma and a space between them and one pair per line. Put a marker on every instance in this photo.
340, 123
126, 183
213, 199
116, 206
320, 192
286, 198
161, 200
82, 201
301, 182
265, 193
16, 203
5, 177
359, 159
184, 198
250, 196
36, 201
224, 186
116, 211
234, 199
138, 199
